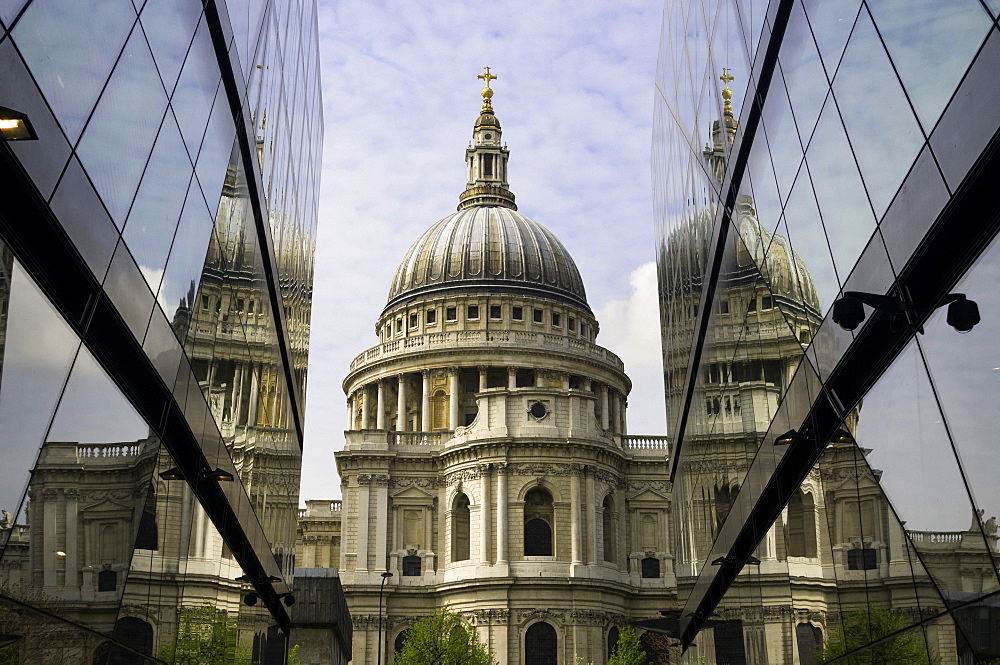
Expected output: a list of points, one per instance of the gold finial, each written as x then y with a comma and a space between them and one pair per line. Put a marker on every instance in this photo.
487, 91
727, 94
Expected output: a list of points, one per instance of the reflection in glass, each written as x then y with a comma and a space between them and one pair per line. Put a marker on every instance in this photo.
38, 351
931, 45
57, 41
131, 106
169, 26
884, 133
152, 220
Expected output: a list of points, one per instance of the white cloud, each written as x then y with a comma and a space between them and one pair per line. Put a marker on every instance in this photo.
631, 329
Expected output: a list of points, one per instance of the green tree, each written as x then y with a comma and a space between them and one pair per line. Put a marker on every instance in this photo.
628, 650
442, 639
861, 627
206, 635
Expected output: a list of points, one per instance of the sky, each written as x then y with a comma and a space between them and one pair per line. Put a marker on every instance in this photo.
575, 100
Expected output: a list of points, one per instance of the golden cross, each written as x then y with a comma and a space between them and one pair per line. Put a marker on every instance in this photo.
726, 77
487, 77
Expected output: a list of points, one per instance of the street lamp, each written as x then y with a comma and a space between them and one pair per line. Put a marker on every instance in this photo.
386, 575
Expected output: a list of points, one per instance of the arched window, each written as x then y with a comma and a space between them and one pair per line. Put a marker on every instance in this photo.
460, 528
397, 646
132, 632
541, 645
801, 535
411, 566
612, 641
609, 529
651, 567
107, 580
809, 639
538, 523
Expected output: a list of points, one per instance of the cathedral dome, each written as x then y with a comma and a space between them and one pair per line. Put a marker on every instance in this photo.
488, 247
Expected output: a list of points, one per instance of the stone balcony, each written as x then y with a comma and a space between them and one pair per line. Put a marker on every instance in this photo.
514, 340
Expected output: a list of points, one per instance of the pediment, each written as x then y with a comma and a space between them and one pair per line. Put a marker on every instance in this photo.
105, 507
649, 495
414, 493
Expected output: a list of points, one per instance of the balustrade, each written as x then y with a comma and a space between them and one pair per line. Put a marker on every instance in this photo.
492, 338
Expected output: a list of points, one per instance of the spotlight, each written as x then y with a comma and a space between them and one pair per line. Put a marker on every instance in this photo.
218, 475
723, 560
841, 436
790, 437
172, 474
60, 553
963, 314
287, 598
250, 599
15, 126
848, 313
753, 561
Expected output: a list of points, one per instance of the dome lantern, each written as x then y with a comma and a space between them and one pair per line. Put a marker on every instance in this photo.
486, 158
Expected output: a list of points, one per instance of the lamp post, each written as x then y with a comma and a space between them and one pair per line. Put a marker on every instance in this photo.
386, 575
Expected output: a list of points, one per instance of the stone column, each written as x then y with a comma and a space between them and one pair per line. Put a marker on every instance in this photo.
379, 405
574, 519
622, 406
590, 556
72, 538
50, 541
511, 378
484, 513
453, 398
482, 379
501, 513
539, 378
605, 420
363, 491
365, 408
350, 412
401, 405
381, 519
425, 402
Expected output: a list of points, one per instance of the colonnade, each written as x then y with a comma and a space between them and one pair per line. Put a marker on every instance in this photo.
367, 406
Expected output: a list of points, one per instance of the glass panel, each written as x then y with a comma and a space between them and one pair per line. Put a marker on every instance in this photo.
84, 218
803, 228
57, 41
218, 149
119, 137
169, 27
184, 266
802, 72
931, 44
46, 639
964, 371
912, 449
128, 291
831, 24
885, 142
9, 10
153, 218
45, 158
192, 99
843, 204
962, 131
37, 352
85, 499
920, 199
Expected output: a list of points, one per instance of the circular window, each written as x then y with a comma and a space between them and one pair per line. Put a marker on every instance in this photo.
488, 136
538, 410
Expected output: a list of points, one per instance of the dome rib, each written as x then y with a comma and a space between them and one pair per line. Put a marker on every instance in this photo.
488, 247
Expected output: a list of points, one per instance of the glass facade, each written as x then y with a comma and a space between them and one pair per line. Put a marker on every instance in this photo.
156, 254
823, 174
